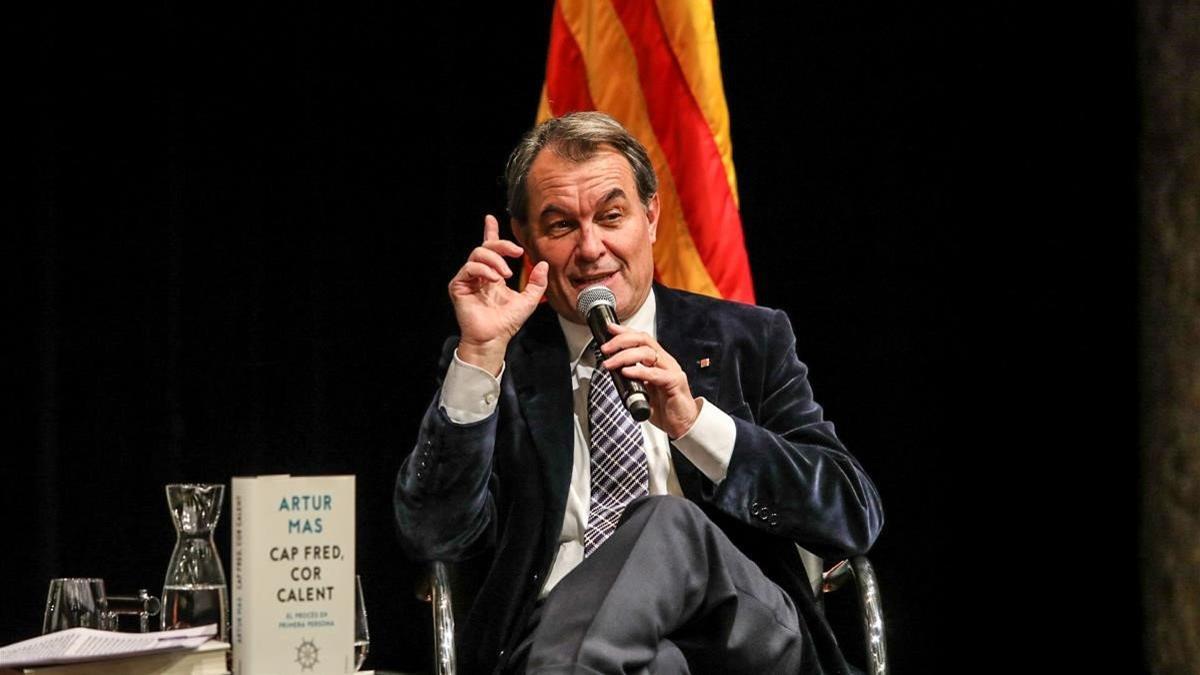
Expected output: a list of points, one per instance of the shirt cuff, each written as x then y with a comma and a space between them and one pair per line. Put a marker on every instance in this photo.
709, 443
469, 393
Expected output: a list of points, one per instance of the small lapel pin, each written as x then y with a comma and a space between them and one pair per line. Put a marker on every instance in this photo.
705, 362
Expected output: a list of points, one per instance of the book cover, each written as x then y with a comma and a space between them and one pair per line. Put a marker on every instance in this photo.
293, 574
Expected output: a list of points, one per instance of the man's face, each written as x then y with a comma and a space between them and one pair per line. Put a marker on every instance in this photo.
586, 221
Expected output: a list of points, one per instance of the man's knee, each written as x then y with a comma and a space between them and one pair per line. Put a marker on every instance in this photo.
663, 508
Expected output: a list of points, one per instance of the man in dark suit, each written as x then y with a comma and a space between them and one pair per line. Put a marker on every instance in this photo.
513, 464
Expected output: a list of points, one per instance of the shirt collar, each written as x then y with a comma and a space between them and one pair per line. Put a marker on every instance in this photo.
579, 335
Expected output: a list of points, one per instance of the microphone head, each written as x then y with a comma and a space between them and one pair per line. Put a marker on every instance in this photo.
592, 296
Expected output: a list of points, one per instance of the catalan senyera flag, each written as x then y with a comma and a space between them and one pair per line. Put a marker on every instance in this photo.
653, 65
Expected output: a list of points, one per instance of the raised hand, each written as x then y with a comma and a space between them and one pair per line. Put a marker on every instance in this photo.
489, 313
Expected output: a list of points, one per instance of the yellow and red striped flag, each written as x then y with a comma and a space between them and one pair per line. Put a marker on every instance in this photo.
653, 65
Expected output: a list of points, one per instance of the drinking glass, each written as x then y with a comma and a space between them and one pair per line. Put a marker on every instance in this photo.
362, 636
76, 603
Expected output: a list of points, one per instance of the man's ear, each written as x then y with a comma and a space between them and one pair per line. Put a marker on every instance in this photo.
652, 211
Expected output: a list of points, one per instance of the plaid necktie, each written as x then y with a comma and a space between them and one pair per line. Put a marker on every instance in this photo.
619, 472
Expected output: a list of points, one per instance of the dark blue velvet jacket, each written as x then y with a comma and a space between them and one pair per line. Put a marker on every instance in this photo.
496, 490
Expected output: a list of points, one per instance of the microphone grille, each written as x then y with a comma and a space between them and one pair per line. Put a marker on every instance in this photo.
593, 296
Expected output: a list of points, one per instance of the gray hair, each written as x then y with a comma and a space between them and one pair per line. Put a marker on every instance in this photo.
576, 137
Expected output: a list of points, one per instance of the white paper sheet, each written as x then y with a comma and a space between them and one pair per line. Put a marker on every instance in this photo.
87, 644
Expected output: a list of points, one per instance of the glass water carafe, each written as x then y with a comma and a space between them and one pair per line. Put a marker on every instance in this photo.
194, 591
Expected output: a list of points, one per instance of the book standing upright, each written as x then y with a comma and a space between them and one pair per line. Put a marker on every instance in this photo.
293, 575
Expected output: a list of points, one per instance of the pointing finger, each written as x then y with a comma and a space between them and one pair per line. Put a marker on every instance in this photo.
491, 228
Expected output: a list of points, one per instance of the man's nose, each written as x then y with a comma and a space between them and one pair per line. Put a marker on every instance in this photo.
591, 243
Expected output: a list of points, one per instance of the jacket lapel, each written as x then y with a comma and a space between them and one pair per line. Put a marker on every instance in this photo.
543, 384
680, 327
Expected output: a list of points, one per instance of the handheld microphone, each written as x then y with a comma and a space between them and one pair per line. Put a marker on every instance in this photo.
598, 306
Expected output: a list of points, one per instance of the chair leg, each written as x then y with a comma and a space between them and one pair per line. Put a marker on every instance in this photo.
443, 620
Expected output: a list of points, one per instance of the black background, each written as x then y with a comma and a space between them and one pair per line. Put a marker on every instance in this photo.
234, 225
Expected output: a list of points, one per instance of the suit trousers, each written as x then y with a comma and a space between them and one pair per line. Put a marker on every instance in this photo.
666, 593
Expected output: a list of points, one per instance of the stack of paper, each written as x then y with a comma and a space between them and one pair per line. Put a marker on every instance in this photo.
190, 651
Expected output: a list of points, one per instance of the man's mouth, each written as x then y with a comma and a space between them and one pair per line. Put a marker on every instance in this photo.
591, 279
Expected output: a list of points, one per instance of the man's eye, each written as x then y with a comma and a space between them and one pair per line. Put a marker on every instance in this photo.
611, 216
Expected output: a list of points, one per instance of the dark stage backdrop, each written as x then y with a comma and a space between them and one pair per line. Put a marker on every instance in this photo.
235, 225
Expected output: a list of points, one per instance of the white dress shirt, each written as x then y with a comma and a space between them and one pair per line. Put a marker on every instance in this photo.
469, 394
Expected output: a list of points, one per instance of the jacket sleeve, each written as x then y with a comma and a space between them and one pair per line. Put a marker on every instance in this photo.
789, 474
443, 505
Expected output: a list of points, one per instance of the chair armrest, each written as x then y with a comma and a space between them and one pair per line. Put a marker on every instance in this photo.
860, 571
435, 589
